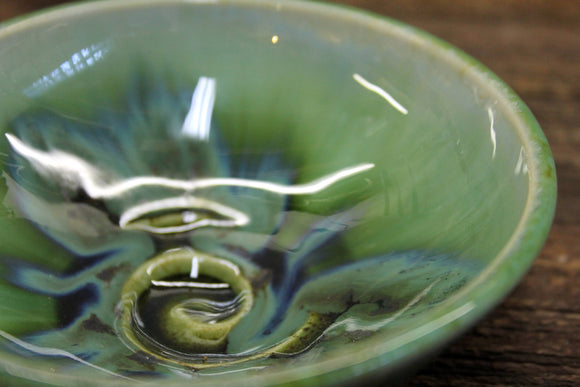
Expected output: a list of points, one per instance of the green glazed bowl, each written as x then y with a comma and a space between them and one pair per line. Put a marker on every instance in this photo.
253, 193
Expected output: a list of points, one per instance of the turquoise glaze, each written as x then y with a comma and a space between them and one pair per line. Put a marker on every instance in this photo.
252, 191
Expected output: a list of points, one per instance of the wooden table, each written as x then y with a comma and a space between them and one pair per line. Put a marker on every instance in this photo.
533, 338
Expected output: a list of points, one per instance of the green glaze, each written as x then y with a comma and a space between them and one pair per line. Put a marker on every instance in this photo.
188, 331
370, 190
197, 336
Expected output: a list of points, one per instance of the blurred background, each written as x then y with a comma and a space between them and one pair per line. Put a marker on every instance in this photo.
533, 337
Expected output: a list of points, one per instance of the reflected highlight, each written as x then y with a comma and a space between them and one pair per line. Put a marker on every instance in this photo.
91, 179
171, 215
380, 91
492, 131
78, 62
197, 123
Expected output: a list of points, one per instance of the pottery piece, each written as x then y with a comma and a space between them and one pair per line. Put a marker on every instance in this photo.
256, 191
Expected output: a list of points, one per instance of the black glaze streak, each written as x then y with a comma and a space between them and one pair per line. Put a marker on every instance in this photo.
384, 306
450, 290
170, 241
82, 263
109, 273
143, 359
286, 284
71, 306
93, 323
273, 261
82, 197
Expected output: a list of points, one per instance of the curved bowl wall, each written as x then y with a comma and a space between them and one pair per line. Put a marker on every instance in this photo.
352, 167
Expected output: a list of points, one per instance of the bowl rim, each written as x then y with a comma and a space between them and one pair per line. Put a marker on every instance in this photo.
470, 303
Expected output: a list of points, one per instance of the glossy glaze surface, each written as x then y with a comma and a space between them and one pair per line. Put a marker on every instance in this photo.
365, 173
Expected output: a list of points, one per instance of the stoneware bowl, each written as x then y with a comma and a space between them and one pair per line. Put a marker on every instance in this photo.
252, 193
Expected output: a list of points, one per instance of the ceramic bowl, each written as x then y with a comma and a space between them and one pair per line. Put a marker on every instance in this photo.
252, 192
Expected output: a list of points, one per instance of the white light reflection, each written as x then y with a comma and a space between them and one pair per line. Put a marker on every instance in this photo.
194, 272
232, 217
168, 256
380, 91
492, 131
45, 351
193, 285
78, 62
79, 172
197, 124
521, 165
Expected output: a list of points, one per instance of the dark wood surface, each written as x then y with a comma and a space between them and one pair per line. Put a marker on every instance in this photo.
533, 337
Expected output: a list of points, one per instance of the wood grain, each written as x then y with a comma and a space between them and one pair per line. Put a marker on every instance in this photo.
533, 337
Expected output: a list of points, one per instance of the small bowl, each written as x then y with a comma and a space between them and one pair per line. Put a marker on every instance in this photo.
252, 192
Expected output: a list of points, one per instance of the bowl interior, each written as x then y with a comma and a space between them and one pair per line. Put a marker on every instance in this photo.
381, 174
